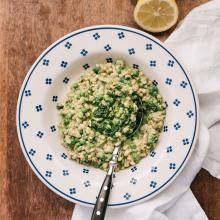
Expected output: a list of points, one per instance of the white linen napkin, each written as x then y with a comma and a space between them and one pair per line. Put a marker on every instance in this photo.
197, 44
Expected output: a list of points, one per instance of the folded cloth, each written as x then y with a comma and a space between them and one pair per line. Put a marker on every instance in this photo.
197, 45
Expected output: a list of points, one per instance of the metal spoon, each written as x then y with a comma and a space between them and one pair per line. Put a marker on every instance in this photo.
102, 199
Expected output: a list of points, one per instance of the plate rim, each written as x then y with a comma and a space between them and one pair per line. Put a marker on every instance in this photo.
31, 70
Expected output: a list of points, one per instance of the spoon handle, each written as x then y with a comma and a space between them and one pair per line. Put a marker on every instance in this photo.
102, 199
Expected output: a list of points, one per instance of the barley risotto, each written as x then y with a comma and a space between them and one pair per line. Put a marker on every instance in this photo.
100, 112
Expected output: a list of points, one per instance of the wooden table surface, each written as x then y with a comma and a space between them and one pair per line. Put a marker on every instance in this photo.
27, 27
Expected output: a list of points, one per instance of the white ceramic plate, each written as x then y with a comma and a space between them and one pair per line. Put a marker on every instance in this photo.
48, 81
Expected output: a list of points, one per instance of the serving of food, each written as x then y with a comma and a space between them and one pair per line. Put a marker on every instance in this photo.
100, 112
80, 101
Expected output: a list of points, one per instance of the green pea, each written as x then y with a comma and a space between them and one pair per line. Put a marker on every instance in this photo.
76, 87
85, 159
73, 141
77, 145
135, 74
91, 145
101, 155
151, 141
80, 115
153, 91
133, 146
118, 87
96, 70
119, 71
95, 164
135, 156
82, 142
66, 121
103, 158
84, 110
82, 94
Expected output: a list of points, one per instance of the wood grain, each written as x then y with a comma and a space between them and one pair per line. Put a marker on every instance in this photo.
27, 28
3, 117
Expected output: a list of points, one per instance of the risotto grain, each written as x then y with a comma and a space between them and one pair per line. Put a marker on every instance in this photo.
100, 112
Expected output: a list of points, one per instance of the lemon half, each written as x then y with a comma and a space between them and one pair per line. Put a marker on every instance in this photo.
156, 15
